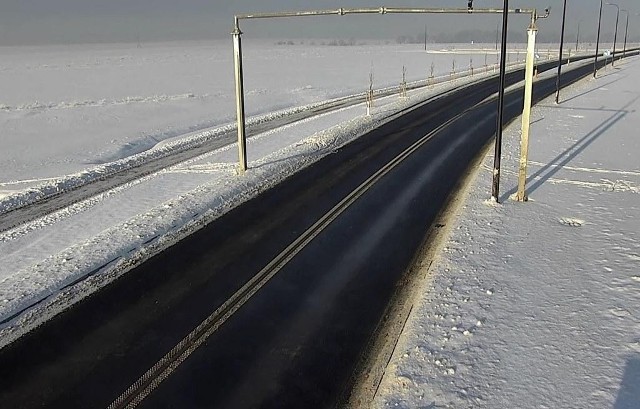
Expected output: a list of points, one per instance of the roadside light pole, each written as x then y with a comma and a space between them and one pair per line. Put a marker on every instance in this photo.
626, 30
564, 14
615, 34
495, 185
425, 37
595, 63
578, 36
526, 113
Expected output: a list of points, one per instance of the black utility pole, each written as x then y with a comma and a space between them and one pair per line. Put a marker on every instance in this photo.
425, 37
578, 36
495, 187
615, 34
626, 30
564, 14
595, 63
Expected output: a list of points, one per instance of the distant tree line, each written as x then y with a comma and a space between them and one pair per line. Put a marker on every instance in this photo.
489, 36
471, 35
332, 43
460, 37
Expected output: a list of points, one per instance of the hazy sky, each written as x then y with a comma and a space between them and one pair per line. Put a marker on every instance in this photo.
73, 21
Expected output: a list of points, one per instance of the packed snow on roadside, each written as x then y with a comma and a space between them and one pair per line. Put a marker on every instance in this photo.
537, 304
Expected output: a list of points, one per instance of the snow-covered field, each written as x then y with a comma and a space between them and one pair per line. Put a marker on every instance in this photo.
537, 304
65, 108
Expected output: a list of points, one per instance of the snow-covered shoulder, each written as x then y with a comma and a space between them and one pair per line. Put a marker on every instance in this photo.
536, 304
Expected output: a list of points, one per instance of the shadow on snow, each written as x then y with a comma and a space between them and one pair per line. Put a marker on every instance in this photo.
629, 394
556, 164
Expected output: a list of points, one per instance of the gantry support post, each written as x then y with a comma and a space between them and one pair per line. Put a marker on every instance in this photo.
526, 113
240, 115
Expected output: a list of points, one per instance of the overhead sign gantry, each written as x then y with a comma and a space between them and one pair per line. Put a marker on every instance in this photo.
237, 50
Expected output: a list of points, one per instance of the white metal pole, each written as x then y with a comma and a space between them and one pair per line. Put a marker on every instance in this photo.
240, 115
526, 114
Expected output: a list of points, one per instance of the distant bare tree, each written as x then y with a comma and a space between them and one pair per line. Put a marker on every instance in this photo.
431, 72
403, 84
370, 91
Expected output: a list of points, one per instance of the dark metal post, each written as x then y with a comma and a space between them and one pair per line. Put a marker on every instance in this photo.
564, 14
495, 187
626, 30
615, 34
595, 63
578, 37
425, 37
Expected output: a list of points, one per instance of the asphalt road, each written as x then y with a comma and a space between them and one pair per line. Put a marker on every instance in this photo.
293, 343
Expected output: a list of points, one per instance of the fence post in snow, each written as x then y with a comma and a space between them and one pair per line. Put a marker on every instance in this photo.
240, 115
370, 92
403, 84
432, 70
526, 114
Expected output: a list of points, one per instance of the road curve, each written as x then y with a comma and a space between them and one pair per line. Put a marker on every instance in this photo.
295, 341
